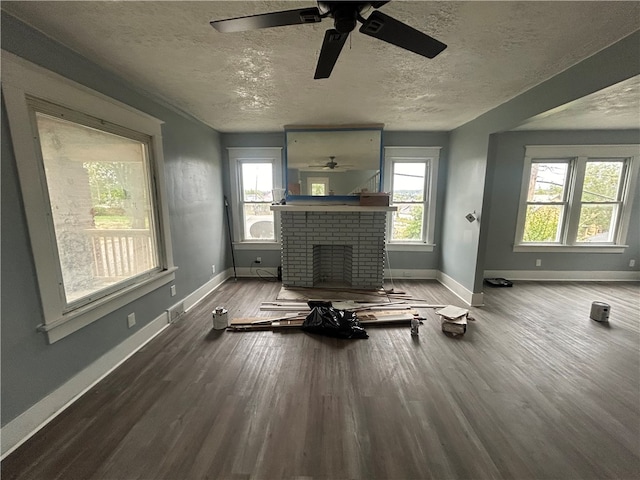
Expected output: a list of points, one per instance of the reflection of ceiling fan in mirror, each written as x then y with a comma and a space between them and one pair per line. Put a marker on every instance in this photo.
332, 165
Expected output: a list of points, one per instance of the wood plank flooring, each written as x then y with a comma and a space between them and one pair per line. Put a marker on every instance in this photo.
534, 390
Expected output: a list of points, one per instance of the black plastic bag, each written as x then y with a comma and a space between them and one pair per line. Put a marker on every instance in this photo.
327, 320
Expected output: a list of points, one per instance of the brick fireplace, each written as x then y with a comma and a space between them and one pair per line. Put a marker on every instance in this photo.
333, 245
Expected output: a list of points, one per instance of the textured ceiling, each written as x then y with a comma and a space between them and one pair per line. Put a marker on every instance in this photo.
263, 80
614, 108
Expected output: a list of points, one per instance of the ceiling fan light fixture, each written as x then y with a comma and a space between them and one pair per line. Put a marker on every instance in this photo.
345, 19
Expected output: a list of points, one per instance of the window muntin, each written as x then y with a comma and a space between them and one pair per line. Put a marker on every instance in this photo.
409, 195
597, 195
98, 186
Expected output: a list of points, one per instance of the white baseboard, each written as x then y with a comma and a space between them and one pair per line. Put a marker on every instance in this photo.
417, 274
467, 296
196, 296
568, 275
23, 427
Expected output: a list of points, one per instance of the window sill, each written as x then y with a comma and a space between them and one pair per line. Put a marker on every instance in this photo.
257, 245
571, 248
81, 317
410, 247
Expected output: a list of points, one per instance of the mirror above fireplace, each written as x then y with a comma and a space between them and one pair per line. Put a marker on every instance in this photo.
326, 162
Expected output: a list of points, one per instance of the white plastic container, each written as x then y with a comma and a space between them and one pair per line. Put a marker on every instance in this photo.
220, 318
600, 311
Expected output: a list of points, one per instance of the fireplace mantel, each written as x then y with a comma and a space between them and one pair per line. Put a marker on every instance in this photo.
331, 208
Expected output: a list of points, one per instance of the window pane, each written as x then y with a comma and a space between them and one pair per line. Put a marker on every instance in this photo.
597, 223
257, 182
407, 222
258, 221
408, 182
317, 189
100, 204
602, 181
542, 223
547, 182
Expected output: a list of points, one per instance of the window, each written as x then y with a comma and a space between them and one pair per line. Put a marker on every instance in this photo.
576, 196
318, 185
255, 179
411, 178
97, 217
98, 185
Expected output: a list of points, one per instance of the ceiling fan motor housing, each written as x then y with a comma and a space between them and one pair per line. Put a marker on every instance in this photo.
344, 14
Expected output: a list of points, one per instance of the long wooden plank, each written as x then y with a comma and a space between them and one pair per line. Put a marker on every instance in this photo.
257, 320
301, 306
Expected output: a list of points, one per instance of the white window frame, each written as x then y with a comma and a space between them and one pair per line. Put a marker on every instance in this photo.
430, 156
20, 80
578, 156
238, 155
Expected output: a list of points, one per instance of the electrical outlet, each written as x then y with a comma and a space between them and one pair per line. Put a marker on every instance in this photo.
258, 259
131, 319
213, 269
173, 290
632, 263
538, 262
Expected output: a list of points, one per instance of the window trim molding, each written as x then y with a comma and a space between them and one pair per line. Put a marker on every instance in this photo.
580, 155
236, 155
22, 79
416, 154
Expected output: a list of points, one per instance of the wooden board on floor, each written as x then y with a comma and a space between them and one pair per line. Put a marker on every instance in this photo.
304, 294
340, 305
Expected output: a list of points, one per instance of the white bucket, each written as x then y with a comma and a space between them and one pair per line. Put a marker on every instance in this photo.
600, 311
220, 319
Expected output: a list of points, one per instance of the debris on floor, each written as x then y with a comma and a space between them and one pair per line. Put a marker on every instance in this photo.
454, 320
370, 309
382, 317
333, 322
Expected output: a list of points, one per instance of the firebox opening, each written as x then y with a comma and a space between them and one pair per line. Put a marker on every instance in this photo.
332, 265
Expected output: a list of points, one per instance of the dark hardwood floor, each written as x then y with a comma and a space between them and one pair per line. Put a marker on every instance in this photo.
534, 390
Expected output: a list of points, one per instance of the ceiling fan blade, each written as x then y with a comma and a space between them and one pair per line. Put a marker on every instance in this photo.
390, 30
268, 20
331, 48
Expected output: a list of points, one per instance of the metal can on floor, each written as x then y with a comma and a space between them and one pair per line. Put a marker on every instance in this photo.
220, 318
600, 311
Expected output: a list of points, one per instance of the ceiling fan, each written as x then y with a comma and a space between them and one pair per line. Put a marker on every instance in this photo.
330, 165
345, 16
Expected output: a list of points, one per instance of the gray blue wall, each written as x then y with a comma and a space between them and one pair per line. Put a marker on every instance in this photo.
506, 176
31, 368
